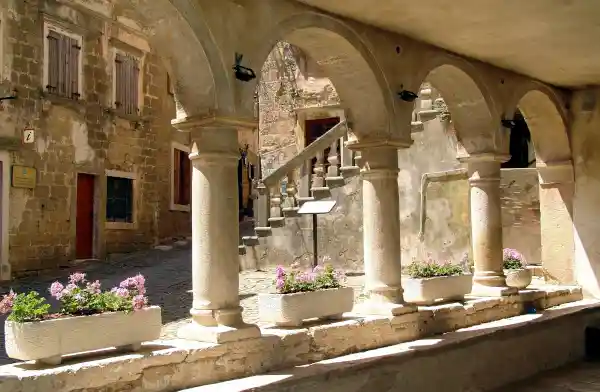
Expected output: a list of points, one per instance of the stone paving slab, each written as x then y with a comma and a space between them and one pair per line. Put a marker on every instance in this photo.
168, 278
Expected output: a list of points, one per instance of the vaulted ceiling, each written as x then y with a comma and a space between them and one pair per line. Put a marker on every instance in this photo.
556, 41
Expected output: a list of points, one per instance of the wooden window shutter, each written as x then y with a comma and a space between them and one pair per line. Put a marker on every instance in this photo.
75, 52
63, 65
177, 177
135, 75
53, 60
119, 66
186, 169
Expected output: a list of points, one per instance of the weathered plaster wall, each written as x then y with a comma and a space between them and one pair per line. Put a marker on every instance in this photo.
82, 137
340, 238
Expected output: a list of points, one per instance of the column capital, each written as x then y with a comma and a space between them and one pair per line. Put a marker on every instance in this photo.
189, 123
368, 144
484, 157
552, 173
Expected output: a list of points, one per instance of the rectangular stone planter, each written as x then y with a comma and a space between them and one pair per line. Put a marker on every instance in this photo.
47, 341
429, 291
290, 310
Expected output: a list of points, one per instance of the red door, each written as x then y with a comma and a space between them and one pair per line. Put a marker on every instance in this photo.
85, 216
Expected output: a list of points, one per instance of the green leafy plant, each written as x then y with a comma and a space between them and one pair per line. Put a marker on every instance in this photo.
295, 281
513, 259
28, 307
430, 269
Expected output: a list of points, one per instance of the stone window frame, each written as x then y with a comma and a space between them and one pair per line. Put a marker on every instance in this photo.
134, 178
173, 206
69, 31
122, 48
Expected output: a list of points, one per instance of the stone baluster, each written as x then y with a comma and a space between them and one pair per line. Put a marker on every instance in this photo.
276, 214
381, 228
216, 311
318, 177
333, 160
347, 155
262, 207
486, 224
305, 183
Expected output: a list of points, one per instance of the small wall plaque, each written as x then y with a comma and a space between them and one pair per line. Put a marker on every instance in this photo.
24, 177
28, 136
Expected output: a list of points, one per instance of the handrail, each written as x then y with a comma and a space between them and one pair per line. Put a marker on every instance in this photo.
443, 176
309, 152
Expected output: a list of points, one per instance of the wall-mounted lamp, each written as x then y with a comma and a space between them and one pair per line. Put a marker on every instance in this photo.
510, 124
242, 73
13, 96
407, 96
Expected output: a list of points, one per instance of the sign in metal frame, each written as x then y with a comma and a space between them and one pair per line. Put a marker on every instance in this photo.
314, 208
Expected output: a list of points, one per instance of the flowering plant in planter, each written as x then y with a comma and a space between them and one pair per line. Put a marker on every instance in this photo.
429, 282
77, 298
295, 281
317, 293
515, 269
88, 319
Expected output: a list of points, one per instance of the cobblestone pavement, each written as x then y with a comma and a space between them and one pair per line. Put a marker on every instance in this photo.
168, 277
580, 377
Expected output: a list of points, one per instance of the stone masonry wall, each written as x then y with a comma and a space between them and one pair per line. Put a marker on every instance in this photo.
447, 237
82, 137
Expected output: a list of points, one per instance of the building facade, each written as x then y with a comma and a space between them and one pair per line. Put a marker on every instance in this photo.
91, 164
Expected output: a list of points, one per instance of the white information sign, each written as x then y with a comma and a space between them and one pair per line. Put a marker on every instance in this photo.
317, 207
28, 136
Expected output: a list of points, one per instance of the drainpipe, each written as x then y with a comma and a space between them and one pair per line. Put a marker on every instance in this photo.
443, 176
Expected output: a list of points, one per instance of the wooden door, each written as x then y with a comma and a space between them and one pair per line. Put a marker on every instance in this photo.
85, 216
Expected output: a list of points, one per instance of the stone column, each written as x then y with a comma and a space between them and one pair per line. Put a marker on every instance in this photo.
381, 228
486, 224
557, 189
216, 312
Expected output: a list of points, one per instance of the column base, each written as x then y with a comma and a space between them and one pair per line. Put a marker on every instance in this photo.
480, 290
218, 334
374, 308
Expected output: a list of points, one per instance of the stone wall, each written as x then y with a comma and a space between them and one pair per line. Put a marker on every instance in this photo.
83, 136
447, 235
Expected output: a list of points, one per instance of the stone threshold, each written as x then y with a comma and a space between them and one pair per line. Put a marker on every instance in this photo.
333, 375
170, 365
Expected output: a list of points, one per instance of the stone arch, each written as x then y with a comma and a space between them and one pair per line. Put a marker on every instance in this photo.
345, 59
201, 83
546, 121
469, 101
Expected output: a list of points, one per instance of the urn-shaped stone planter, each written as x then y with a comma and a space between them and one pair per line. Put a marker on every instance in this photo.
47, 341
518, 278
428, 291
290, 310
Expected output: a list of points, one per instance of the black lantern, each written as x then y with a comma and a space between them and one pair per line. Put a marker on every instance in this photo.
242, 73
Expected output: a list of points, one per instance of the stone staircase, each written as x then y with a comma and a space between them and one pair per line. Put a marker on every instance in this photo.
282, 192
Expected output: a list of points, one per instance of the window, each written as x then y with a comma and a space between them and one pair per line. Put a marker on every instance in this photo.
119, 199
182, 175
62, 68
126, 83
522, 154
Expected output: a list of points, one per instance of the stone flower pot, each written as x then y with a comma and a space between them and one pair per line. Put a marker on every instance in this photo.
47, 341
428, 291
518, 278
290, 310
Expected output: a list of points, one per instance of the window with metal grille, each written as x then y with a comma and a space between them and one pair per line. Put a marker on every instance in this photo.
63, 65
127, 74
119, 199
182, 175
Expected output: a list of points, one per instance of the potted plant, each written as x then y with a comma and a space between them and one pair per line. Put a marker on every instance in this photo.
304, 295
515, 269
89, 319
429, 282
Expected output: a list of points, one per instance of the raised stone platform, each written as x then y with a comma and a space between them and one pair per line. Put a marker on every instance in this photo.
176, 364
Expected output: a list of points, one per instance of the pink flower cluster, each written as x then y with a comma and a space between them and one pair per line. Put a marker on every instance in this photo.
7, 302
512, 254
134, 287
58, 291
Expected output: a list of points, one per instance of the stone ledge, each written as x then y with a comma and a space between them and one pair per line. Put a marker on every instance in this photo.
177, 364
